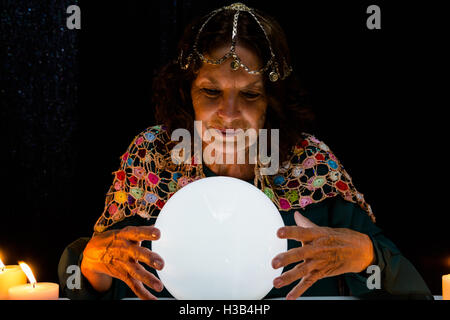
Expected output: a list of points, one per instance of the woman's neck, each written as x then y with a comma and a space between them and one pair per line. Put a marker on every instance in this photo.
240, 171
230, 165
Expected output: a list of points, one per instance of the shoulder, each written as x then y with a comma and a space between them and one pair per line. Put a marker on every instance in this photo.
153, 139
153, 143
312, 174
312, 155
136, 183
310, 152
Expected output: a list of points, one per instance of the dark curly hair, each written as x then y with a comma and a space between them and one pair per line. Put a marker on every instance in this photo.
287, 109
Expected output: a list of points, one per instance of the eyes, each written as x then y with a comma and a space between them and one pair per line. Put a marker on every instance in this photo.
212, 93
215, 93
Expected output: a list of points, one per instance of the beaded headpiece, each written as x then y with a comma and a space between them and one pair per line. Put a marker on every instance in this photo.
237, 63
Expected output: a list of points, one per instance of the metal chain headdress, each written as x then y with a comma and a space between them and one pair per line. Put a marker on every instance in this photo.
237, 63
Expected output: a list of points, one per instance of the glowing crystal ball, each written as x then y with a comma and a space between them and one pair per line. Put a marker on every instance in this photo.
218, 238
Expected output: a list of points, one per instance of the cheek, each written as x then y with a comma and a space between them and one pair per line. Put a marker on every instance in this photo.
256, 115
203, 113
202, 109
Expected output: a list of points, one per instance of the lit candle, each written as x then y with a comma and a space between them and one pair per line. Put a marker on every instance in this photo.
10, 276
446, 287
33, 290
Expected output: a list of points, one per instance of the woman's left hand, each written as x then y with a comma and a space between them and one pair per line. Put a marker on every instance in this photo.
325, 252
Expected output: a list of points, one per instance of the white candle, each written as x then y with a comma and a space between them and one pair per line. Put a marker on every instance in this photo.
37, 291
33, 290
446, 287
10, 276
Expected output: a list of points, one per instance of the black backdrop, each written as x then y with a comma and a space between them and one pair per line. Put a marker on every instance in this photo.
72, 100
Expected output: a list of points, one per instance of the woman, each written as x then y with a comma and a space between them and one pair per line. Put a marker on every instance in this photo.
234, 72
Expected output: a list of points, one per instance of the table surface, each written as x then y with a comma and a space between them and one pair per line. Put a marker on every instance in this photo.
301, 298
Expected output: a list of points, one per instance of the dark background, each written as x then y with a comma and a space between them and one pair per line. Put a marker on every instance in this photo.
72, 101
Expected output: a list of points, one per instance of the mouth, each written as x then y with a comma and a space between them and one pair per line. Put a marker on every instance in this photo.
230, 132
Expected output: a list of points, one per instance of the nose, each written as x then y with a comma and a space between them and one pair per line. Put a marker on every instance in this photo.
229, 108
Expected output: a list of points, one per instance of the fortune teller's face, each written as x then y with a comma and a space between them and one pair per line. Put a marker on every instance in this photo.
224, 98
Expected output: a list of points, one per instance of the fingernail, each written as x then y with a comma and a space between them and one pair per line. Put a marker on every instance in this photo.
159, 286
276, 263
158, 264
156, 233
277, 282
281, 232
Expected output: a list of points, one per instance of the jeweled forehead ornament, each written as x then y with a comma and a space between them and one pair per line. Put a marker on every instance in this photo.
237, 63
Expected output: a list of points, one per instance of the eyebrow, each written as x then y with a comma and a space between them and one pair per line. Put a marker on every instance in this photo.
257, 83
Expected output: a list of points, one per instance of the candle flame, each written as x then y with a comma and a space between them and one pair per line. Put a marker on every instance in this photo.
447, 262
2, 266
26, 269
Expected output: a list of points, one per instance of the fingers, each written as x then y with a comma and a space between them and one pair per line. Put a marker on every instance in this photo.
299, 233
138, 288
118, 253
118, 270
308, 274
137, 272
299, 271
294, 255
133, 274
302, 221
302, 286
139, 234
125, 252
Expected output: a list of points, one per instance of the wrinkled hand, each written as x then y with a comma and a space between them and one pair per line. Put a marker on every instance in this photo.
325, 252
117, 253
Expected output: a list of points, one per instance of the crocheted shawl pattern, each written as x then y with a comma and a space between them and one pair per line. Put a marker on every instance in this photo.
147, 178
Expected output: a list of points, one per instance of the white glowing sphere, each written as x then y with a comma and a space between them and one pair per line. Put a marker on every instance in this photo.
218, 239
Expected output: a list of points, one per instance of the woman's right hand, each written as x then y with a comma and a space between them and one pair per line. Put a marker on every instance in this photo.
117, 253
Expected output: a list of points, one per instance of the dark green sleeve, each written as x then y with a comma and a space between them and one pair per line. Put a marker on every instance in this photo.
399, 278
